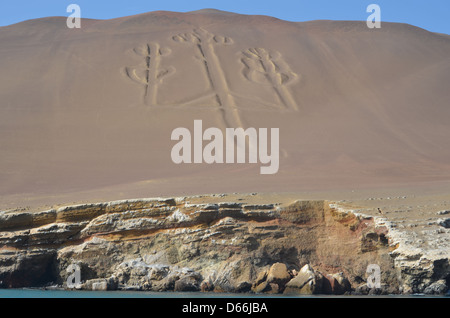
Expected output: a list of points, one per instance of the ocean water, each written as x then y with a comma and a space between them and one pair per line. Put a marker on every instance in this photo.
41, 293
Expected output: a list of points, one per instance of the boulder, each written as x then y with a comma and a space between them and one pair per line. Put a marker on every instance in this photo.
307, 282
340, 284
362, 289
267, 288
98, 284
261, 287
437, 288
243, 287
235, 276
278, 274
207, 285
444, 222
188, 283
262, 277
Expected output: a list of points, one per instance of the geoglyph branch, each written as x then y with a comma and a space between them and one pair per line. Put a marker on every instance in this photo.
267, 68
149, 73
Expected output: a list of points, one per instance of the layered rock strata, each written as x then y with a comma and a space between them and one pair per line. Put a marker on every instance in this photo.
200, 244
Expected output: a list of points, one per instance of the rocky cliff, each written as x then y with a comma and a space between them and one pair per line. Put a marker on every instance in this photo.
207, 243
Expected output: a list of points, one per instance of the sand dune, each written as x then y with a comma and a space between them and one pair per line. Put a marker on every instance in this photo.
91, 111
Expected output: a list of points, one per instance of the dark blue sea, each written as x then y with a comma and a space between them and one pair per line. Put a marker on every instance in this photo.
42, 293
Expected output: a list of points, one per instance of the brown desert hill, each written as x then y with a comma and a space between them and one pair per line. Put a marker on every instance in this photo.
92, 110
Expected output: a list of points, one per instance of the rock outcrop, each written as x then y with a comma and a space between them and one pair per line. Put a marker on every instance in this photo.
201, 244
422, 263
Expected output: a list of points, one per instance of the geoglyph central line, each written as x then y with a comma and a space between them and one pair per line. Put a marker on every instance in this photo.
150, 73
205, 41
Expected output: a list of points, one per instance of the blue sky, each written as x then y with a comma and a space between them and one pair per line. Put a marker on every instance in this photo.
432, 15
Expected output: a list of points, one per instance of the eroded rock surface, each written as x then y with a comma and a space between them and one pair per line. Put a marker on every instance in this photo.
202, 244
